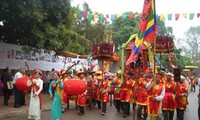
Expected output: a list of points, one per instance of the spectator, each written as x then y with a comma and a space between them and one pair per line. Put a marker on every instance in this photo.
1, 87
47, 78
199, 98
193, 84
7, 85
51, 75
19, 97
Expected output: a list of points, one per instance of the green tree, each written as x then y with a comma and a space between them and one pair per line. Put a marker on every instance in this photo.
181, 61
92, 29
163, 30
123, 28
193, 40
40, 24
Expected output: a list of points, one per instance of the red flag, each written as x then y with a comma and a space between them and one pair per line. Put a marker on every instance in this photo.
198, 15
177, 16
85, 16
130, 16
147, 29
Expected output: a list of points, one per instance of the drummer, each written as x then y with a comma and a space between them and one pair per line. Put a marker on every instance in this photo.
19, 97
66, 75
82, 97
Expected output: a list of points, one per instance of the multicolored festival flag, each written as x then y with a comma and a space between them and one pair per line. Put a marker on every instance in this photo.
147, 29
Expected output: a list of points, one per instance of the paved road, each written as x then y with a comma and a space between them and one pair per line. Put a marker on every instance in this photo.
95, 114
72, 115
191, 112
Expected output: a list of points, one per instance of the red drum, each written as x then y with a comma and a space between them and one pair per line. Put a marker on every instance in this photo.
21, 83
75, 87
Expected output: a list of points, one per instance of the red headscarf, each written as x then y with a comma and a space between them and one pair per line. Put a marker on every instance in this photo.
37, 70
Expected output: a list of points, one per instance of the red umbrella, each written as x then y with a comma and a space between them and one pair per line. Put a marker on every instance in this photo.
75, 87
21, 83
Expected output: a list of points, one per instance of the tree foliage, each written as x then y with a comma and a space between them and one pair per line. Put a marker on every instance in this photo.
93, 29
40, 24
163, 30
180, 61
123, 28
193, 40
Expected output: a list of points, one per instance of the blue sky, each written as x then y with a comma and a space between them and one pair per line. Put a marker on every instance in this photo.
162, 7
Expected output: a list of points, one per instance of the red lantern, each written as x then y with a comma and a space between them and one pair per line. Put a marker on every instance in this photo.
75, 87
21, 83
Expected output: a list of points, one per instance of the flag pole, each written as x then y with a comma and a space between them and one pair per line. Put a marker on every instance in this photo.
154, 44
155, 70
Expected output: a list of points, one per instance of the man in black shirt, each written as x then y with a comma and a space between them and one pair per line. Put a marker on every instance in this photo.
6, 77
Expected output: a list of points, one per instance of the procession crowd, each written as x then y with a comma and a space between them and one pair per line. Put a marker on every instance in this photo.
156, 97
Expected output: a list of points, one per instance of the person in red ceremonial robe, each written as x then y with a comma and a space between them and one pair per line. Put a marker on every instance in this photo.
117, 92
163, 77
142, 94
135, 93
35, 96
127, 91
91, 89
98, 87
181, 97
81, 101
66, 75
156, 93
104, 91
168, 102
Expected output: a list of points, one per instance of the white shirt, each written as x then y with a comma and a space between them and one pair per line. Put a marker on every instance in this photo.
17, 75
199, 81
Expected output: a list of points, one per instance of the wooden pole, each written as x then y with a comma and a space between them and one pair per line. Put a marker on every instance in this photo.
153, 117
154, 55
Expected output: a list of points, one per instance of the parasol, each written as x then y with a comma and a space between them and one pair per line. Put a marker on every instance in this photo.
191, 67
70, 54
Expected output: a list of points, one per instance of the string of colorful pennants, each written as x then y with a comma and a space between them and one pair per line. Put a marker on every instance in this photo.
95, 16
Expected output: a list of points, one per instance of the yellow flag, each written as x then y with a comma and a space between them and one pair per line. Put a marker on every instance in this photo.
185, 15
136, 15
118, 16
150, 55
75, 15
95, 16
162, 17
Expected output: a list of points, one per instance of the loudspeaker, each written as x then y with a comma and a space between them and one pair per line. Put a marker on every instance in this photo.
177, 74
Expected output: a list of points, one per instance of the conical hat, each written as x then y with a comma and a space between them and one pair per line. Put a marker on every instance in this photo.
98, 72
80, 72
